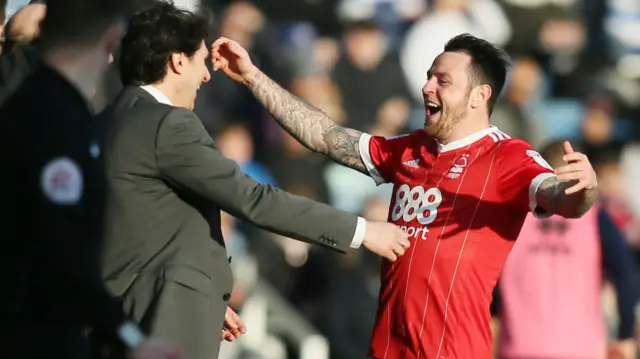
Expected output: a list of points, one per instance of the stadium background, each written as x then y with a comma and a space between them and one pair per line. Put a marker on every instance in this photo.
575, 75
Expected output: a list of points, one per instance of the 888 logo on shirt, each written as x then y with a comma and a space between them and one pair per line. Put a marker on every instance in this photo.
416, 203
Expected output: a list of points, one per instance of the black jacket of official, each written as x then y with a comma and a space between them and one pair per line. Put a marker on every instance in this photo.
53, 205
164, 253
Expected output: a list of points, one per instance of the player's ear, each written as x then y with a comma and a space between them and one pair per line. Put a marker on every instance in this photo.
480, 96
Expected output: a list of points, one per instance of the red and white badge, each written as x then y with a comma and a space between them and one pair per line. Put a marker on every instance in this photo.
61, 181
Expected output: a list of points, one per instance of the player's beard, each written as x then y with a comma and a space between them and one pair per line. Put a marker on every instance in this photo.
450, 117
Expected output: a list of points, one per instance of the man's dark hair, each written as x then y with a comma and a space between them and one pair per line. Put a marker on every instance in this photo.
153, 36
81, 22
489, 63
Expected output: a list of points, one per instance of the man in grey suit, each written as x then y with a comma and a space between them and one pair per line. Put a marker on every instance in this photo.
164, 255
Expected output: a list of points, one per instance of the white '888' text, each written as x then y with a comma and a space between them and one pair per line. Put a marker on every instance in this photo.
416, 202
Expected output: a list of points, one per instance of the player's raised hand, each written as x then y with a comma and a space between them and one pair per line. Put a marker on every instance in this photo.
578, 169
386, 240
231, 58
233, 326
155, 349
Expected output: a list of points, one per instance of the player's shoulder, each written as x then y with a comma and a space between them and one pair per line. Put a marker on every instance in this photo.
514, 144
517, 151
403, 140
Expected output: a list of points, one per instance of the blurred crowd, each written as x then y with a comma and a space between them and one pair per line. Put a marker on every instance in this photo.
575, 75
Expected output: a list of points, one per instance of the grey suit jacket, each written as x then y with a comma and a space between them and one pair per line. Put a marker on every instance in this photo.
167, 183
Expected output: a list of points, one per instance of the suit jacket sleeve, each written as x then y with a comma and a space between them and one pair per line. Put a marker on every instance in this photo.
188, 157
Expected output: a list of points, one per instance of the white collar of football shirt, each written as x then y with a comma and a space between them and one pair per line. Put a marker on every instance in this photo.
157, 94
465, 141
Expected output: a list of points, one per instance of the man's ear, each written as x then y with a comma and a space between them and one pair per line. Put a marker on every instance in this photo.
111, 39
480, 96
177, 61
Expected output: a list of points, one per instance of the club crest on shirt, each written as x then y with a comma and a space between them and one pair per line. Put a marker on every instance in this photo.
539, 159
61, 181
456, 170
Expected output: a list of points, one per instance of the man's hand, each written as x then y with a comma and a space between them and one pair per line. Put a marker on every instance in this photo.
386, 240
232, 59
24, 25
578, 171
155, 349
233, 326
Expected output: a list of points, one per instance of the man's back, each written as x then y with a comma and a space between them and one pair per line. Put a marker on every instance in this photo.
151, 220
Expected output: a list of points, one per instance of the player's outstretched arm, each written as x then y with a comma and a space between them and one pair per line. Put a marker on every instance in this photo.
308, 124
573, 191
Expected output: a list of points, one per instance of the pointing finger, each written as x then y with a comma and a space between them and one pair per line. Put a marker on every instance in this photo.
568, 148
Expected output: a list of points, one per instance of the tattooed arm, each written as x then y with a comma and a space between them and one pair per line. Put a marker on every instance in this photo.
308, 124
552, 198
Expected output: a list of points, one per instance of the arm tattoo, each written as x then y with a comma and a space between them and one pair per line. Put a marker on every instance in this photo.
308, 124
551, 197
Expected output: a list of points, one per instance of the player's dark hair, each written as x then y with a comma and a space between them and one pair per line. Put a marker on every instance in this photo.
489, 63
81, 22
153, 36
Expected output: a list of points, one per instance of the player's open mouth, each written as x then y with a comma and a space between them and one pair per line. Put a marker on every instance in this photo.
432, 108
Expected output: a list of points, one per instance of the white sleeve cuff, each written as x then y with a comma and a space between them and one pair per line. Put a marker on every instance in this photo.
365, 155
533, 190
358, 236
130, 334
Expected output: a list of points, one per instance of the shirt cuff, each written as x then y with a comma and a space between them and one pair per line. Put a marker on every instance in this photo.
130, 334
533, 190
358, 236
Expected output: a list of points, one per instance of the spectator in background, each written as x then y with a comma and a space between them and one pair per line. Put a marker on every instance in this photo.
363, 66
514, 113
444, 20
614, 195
235, 142
551, 286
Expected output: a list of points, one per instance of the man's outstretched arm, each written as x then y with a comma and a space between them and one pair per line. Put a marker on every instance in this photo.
308, 124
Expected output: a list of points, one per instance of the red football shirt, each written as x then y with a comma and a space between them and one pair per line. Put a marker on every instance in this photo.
463, 205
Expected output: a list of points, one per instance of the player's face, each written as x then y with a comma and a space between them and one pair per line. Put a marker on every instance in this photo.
446, 93
196, 74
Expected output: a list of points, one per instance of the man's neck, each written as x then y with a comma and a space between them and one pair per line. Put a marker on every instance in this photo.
464, 129
79, 70
170, 91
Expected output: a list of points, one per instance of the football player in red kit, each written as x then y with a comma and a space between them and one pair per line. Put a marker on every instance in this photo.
462, 189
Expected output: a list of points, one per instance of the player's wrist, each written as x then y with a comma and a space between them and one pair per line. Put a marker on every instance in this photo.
130, 335
250, 76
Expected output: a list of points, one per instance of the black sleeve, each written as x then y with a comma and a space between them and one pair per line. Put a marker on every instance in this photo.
71, 196
621, 269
